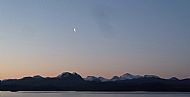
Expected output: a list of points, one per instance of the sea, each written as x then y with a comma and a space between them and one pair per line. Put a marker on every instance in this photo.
92, 94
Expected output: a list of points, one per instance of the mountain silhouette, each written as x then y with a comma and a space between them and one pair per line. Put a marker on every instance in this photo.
74, 82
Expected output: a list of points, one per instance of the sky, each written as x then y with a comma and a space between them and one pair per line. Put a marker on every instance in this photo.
111, 37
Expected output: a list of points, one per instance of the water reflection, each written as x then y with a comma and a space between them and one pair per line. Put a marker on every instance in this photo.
93, 94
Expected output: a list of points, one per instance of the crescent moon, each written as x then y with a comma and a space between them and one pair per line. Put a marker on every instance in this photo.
74, 29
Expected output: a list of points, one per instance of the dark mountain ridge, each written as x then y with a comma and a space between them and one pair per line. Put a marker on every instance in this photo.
74, 82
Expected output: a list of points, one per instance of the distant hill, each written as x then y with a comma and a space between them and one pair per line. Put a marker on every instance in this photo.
74, 82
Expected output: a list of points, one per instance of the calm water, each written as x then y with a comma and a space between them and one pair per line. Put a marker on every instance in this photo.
92, 94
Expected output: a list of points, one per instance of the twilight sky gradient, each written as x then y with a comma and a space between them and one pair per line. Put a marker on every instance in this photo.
113, 37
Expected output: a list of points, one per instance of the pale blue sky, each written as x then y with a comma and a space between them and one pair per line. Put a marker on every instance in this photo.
113, 37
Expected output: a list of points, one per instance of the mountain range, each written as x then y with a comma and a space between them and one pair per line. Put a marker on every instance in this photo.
126, 76
67, 81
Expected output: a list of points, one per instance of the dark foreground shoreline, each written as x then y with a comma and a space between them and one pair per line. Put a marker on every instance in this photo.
148, 85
